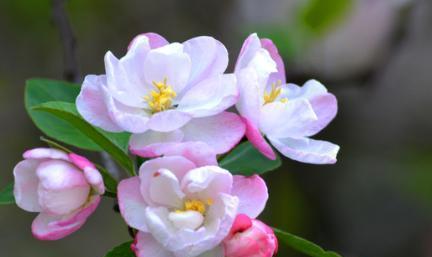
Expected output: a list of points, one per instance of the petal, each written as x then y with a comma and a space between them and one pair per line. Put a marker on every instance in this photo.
128, 118
289, 119
45, 153
91, 103
26, 184
62, 188
169, 120
125, 77
274, 53
146, 246
250, 46
164, 189
256, 138
251, 95
207, 182
155, 40
178, 165
309, 90
198, 152
168, 62
307, 150
211, 96
218, 251
53, 227
131, 203
221, 132
92, 175
152, 143
209, 58
252, 193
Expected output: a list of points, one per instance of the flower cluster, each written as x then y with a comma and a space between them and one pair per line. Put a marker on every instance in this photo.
173, 98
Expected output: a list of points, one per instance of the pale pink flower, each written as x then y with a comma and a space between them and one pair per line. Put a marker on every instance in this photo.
184, 205
286, 114
165, 92
250, 238
64, 188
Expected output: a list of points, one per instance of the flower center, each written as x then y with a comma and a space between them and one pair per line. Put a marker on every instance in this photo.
160, 99
274, 93
196, 205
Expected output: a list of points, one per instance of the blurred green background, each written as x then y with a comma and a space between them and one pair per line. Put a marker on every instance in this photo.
375, 55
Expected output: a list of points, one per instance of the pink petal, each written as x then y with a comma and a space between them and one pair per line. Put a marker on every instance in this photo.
325, 108
155, 40
250, 46
274, 53
209, 58
221, 132
152, 143
91, 104
80, 161
45, 153
252, 193
211, 96
131, 203
251, 95
307, 150
26, 185
146, 246
256, 138
169, 120
218, 251
52, 227
92, 175
198, 152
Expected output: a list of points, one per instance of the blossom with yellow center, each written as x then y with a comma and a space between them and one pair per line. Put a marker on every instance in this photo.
161, 98
196, 205
274, 93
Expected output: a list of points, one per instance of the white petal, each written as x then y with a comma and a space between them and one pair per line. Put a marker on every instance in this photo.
186, 219
147, 246
26, 184
165, 190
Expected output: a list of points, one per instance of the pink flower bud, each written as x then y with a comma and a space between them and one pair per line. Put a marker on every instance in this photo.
64, 188
250, 238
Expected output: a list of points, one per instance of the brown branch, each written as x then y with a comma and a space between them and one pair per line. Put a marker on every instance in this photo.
67, 37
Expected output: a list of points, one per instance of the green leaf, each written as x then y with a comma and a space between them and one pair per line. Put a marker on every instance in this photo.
40, 91
123, 250
302, 245
6, 195
319, 15
246, 160
114, 144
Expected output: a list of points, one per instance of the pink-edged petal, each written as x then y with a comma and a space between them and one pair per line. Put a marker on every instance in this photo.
251, 95
274, 53
164, 189
178, 165
52, 227
207, 182
128, 118
45, 153
80, 161
252, 193
92, 175
62, 187
291, 119
209, 58
131, 203
146, 246
250, 46
26, 185
307, 150
152, 143
91, 104
168, 62
257, 139
198, 152
221, 132
125, 79
211, 96
325, 108
155, 40
169, 120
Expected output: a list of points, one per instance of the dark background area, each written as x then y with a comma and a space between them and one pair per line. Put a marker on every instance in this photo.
374, 55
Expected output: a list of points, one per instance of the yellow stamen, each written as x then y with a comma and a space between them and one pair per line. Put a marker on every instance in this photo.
196, 205
161, 98
274, 93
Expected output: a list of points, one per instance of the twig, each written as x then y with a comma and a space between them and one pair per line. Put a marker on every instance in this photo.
67, 37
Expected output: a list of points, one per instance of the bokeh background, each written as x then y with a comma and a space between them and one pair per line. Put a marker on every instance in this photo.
374, 55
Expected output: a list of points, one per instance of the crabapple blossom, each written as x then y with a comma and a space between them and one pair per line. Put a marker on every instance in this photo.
165, 93
286, 114
64, 188
183, 205
250, 238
